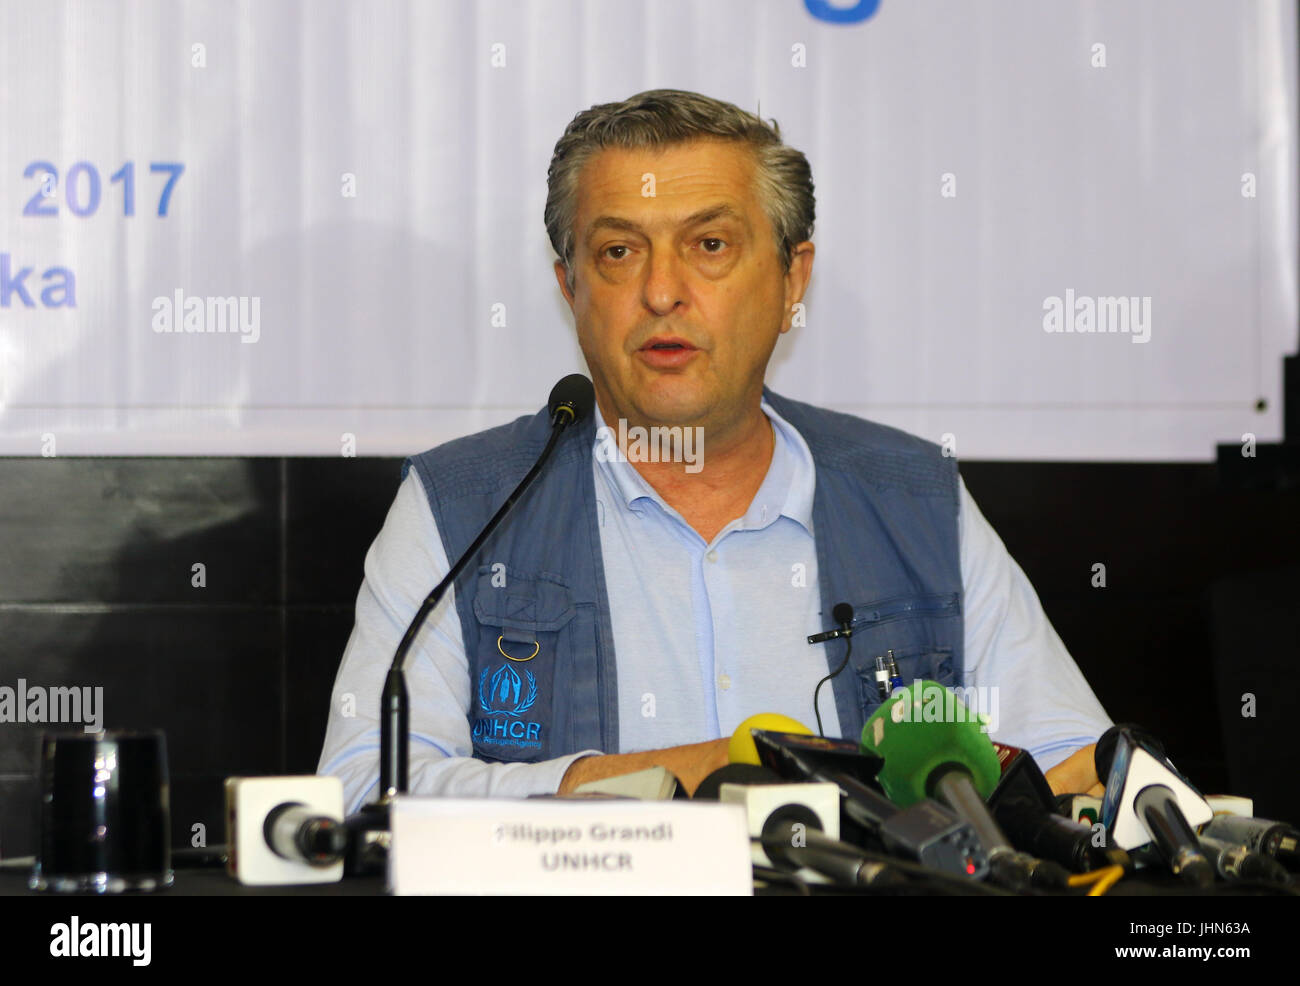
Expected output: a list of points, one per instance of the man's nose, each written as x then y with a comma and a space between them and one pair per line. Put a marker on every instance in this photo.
665, 281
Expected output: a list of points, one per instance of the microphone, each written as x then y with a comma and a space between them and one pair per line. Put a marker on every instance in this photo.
571, 400
926, 832
1276, 840
285, 830
710, 788
791, 841
1024, 805
1233, 861
953, 762
919, 729
301, 834
741, 748
842, 614
1147, 800
795, 826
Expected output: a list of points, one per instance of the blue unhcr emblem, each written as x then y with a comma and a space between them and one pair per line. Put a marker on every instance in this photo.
504, 696
504, 692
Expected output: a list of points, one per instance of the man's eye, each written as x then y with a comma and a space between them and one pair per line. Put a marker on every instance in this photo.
720, 244
615, 247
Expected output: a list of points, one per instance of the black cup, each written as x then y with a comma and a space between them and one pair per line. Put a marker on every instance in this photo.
105, 813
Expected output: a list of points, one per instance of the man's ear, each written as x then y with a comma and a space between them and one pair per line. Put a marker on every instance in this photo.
560, 273
796, 279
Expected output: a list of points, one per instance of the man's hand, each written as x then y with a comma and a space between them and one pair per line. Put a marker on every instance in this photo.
691, 764
1077, 774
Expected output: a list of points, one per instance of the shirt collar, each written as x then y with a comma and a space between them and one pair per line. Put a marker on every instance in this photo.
787, 489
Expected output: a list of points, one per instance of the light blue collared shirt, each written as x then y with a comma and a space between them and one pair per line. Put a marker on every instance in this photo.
707, 635
714, 633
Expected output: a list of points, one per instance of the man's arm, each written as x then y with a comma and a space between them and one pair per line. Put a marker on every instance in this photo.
690, 764
403, 564
1042, 701
1076, 773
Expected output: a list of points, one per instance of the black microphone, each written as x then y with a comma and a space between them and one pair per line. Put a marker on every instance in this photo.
1024, 805
571, 400
1234, 861
841, 613
793, 838
733, 773
1276, 840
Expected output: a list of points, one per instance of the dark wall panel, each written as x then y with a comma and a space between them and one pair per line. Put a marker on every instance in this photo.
130, 530
1169, 536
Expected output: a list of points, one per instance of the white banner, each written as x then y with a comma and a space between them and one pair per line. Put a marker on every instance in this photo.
354, 191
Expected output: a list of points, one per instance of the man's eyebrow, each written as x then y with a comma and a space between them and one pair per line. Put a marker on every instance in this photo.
695, 219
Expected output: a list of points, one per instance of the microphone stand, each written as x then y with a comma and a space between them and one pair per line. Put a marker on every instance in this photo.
369, 830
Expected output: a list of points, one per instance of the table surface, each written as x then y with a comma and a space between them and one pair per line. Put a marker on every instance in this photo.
215, 883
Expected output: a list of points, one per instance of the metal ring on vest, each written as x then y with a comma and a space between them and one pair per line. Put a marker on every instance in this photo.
521, 660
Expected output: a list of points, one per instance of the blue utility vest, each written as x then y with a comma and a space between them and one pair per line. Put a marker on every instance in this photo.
534, 611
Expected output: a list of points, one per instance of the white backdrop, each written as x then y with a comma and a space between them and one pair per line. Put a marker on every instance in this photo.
1143, 150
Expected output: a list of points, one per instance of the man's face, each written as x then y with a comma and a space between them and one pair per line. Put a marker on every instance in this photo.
679, 296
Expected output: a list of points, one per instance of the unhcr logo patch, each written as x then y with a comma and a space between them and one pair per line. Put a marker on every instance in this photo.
505, 691
504, 695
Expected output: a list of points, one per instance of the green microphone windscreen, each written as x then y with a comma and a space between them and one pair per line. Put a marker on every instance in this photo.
922, 727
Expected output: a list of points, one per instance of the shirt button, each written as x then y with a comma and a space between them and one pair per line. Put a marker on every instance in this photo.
712, 556
724, 681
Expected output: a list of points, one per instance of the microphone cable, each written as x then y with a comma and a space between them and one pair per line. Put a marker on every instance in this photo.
843, 615
1098, 881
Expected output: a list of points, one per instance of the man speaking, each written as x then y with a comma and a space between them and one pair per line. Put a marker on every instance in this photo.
659, 582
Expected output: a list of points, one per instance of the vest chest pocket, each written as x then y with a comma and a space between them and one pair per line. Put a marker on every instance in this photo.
917, 629
518, 663
929, 664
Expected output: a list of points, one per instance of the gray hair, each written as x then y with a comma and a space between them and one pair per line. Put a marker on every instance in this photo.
663, 117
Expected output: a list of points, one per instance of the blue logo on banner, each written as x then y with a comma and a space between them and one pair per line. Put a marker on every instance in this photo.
823, 10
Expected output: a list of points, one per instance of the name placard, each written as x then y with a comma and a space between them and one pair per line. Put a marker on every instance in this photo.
538, 846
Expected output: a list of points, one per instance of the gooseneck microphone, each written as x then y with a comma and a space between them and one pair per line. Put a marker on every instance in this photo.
571, 400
